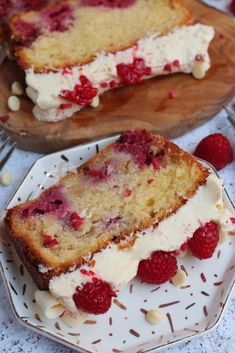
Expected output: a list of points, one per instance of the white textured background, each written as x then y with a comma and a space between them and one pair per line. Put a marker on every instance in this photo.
14, 338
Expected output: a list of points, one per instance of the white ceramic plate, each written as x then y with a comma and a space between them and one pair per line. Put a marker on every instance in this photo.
189, 311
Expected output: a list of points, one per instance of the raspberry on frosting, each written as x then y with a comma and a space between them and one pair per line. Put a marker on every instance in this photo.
159, 268
204, 240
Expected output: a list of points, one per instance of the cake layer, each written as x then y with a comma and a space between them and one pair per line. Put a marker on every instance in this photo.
57, 95
73, 32
131, 185
117, 267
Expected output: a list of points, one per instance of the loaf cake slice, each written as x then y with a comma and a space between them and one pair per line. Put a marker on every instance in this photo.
133, 184
73, 32
74, 51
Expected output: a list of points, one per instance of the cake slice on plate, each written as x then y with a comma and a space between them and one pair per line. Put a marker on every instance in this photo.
91, 233
74, 51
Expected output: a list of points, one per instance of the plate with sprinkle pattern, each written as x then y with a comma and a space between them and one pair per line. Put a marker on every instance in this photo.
189, 310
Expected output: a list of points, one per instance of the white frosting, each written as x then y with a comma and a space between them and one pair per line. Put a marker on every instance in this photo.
183, 44
117, 266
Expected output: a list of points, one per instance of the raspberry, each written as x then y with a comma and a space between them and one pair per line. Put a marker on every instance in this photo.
204, 240
134, 72
159, 268
215, 149
94, 297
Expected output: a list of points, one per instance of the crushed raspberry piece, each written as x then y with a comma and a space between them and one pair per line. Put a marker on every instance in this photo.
150, 181
75, 215
176, 63
155, 162
5, 8
113, 84
49, 241
82, 94
232, 219
215, 149
4, 118
104, 85
172, 94
167, 67
127, 192
62, 314
184, 246
160, 267
133, 73
65, 106
67, 71
109, 3
90, 274
76, 224
101, 174
58, 18
52, 201
204, 240
138, 144
94, 297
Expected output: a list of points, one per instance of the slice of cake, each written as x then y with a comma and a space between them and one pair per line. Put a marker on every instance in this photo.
140, 199
75, 50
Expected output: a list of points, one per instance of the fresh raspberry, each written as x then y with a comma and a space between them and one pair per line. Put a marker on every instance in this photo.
94, 297
215, 149
204, 240
159, 268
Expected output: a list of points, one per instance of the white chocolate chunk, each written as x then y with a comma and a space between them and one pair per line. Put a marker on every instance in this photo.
49, 305
222, 237
200, 68
17, 89
179, 278
13, 103
154, 317
72, 319
95, 103
6, 178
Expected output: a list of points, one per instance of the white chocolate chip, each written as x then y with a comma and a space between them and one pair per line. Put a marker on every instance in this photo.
13, 103
222, 237
183, 253
154, 317
17, 89
6, 178
179, 278
200, 68
95, 103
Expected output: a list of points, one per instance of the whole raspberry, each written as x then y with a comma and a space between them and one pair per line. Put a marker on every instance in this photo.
94, 297
159, 268
215, 149
204, 240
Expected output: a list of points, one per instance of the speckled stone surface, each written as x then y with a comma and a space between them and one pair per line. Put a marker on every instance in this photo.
14, 338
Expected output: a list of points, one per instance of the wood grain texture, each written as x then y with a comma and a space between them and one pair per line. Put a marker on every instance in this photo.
141, 106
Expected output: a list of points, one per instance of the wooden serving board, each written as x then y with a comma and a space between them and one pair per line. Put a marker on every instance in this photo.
141, 106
